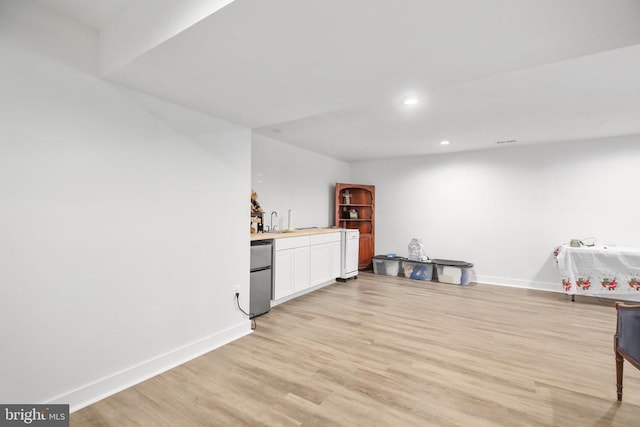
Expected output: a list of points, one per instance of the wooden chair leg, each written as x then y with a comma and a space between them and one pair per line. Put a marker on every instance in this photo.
619, 368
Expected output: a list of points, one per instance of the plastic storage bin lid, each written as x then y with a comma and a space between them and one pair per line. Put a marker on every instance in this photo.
386, 258
452, 263
412, 261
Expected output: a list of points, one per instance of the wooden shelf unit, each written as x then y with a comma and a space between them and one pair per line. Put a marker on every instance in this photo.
362, 200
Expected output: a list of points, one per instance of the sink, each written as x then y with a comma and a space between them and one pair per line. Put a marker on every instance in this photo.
294, 231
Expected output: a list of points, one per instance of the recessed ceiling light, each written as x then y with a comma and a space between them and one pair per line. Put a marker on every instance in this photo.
410, 101
444, 142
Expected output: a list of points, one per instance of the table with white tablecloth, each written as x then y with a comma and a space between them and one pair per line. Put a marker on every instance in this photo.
599, 270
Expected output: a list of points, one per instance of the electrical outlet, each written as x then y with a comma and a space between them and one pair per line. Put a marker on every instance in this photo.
236, 290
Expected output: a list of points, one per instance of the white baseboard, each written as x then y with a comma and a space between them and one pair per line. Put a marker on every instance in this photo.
518, 283
105, 387
303, 292
550, 287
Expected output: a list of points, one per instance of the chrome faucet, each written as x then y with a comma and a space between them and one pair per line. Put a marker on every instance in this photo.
272, 227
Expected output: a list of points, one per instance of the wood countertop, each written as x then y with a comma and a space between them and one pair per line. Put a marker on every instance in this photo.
296, 233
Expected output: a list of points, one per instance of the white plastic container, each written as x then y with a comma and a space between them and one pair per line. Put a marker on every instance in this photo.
454, 275
386, 266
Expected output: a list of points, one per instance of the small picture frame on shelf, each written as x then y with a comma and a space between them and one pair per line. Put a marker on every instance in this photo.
353, 214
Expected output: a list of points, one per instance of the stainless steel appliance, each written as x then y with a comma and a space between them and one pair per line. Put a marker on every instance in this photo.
349, 253
260, 279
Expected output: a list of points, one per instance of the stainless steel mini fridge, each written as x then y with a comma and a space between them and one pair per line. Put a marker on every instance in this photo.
260, 282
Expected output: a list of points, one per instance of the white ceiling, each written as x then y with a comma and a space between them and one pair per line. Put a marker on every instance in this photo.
93, 13
330, 75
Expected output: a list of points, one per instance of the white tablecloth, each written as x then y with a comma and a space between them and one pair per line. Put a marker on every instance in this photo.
599, 270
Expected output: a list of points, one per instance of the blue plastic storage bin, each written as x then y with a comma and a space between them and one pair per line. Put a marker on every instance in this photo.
417, 270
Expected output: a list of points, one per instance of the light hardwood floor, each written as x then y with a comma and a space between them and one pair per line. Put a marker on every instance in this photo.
384, 351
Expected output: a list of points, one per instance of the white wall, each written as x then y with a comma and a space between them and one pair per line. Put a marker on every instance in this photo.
123, 225
506, 209
296, 179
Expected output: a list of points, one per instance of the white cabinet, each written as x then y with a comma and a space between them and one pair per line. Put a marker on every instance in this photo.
324, 258
282, 273
335, 258
291, 266
300, 269
303, 262
320, 263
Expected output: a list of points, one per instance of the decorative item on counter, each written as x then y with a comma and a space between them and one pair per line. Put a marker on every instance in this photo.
255, 206
290, 226
257, 223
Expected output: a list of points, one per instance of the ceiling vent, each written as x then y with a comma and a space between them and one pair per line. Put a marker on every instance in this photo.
510, 141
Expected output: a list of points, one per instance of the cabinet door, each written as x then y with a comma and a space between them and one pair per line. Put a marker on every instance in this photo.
365, 251
335, 259
300, 269
283, 274
320, 264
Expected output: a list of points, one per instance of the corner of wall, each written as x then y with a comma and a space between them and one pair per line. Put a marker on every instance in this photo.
105, 387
